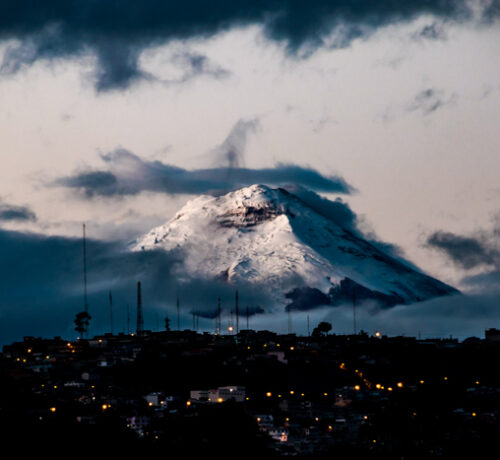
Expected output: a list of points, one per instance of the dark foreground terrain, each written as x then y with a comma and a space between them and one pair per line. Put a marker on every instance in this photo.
328, 396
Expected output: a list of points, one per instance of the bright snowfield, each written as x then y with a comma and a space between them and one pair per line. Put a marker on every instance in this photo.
272, 239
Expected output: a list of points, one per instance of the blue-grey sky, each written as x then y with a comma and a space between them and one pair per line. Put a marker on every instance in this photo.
116, 116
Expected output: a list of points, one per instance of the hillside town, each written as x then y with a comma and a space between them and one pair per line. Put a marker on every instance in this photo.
254, 393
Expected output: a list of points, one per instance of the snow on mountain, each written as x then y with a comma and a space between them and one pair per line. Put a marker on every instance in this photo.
270, 238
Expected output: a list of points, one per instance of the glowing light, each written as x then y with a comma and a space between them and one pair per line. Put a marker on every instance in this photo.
330, 427
292, 348
400, 384
68, 344
150, 404
389, 388
474, 414
325, 394
477, 382
317, 419
445, 378
422, 382
269, 394
287, 419
292, 392
357, 387
258, 419
378, 334
188, 403
52, 409
219, 400
29, 350
105, 407
365, 417
279, 396
378, 386
248, 348
302, 394
230, 328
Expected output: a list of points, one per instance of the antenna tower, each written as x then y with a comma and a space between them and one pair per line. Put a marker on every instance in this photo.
140, 320
85, 302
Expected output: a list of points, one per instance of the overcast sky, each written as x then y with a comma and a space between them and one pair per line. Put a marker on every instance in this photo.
398, 102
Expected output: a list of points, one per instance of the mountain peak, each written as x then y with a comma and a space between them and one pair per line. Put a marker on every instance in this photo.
270, 238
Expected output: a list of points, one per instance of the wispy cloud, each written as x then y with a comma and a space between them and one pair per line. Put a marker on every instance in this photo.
429, 100
11, 212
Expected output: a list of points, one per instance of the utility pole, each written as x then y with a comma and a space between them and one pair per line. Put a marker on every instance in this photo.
219, 320
354, 312
111, 310
85, 302
140, 319
178, 314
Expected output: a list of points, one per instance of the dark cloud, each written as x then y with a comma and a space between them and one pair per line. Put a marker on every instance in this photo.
430, 100
117, 32
465, 251
337, 211
462, 316
434, 31
129, 174
484, 280
42, 287
306, 298
196, 64
10, 212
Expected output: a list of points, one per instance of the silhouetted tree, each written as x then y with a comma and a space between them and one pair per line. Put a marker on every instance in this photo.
323, 328
167, 323
82, 323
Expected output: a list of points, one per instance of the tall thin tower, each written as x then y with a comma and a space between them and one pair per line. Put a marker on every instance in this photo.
178, 314
354, 312
140, 320
85, 301
219, 323
111, 310
237, 312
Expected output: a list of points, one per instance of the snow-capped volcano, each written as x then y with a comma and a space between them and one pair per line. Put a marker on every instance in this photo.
271, 238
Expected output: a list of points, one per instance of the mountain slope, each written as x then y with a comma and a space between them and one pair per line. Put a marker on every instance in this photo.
271, 238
